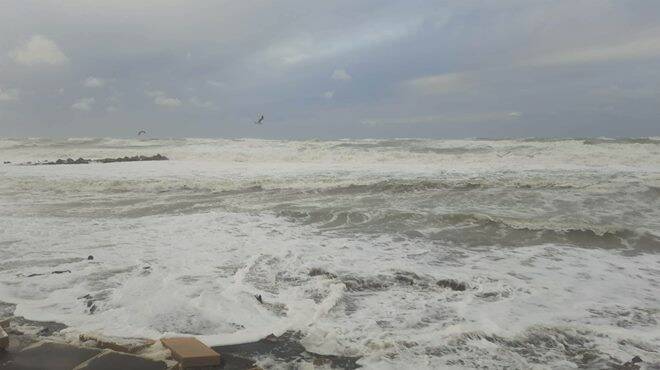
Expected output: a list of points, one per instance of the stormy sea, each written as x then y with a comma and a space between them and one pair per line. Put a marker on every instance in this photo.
405, 253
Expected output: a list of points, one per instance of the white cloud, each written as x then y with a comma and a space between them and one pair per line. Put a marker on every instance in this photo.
328, 94
341, 75
94, 82
201, 103
441, 83
163, 100
8, 94
167, 102
647, 47
83, 104
38, 50
111, 108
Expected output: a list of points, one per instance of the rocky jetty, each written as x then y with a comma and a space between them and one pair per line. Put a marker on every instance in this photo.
135, 158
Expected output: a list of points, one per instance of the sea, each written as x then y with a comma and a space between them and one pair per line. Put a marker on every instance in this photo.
404, 253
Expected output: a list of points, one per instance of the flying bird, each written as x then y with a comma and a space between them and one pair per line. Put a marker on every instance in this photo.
260, 120
141, 132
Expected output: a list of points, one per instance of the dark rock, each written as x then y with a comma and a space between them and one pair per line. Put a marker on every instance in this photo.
6, 162
321, 272
114, 360
231, 362
452, 284
5, 322
157, 157
258, 297
48, 355
4, 340
632, 364
90, 257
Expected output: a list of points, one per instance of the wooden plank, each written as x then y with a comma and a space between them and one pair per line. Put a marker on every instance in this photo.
190, 352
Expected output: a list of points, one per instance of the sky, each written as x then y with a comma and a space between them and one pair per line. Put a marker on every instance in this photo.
330, 69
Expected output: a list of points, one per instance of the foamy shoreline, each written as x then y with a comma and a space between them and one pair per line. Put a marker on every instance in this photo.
53, 341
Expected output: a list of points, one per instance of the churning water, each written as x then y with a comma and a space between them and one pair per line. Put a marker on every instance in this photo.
351, 242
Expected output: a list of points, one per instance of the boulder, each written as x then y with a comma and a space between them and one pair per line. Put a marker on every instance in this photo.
119, 344
114, 360
52, 356
452, 284
4, 340
4, 323
190, 352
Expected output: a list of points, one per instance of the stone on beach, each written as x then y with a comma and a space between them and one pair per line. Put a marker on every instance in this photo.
4, 339
119, 344
190, 352
110, 360
56, 356
4, 323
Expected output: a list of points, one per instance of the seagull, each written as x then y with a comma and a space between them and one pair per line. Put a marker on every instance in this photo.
141, 132
260, 120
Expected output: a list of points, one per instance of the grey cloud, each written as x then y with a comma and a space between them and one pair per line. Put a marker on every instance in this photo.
323, 69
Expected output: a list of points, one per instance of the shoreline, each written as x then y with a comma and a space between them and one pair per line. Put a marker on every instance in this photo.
49, 341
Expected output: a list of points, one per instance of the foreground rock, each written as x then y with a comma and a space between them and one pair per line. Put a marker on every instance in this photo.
119, 344
190, 352
4, 340
135, 158
48, 355
110, 360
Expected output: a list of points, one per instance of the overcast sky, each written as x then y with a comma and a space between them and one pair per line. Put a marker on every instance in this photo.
330, 69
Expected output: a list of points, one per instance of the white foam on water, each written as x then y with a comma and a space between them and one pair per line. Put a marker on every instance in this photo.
167, 264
